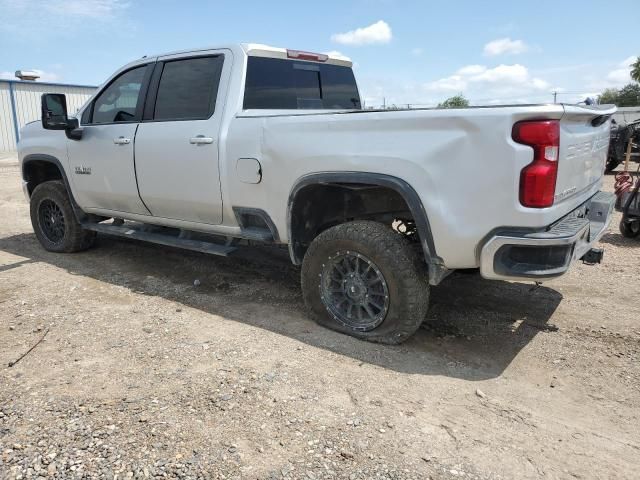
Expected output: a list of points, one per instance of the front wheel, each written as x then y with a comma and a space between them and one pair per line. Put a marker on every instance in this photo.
54, 221
364, 279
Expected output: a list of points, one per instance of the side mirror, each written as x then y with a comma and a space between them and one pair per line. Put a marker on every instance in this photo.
54, 111
54, 116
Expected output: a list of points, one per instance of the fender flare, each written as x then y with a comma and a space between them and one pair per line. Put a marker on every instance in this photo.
42, 157
405, 190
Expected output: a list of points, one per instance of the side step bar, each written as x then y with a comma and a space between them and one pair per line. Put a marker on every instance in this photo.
139, 232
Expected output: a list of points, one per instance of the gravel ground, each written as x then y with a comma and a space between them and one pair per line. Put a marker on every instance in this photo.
143, 375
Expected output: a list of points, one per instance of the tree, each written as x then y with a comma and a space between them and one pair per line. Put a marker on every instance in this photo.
609, 96
627, 96
458, 101
635, 70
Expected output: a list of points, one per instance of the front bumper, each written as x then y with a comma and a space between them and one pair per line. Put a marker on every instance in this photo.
542, 254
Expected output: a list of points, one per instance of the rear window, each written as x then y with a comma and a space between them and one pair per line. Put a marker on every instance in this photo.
188, 88
273, 83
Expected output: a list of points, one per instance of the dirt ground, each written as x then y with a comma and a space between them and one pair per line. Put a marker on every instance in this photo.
142, 374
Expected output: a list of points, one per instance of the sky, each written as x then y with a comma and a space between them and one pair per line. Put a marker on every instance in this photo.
404, 51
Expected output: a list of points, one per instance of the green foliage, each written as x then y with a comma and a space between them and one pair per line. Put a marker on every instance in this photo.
458, 101
627, 96
610, 95
635, 70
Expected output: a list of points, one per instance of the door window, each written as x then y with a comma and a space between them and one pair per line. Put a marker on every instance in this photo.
188, 88
119, 101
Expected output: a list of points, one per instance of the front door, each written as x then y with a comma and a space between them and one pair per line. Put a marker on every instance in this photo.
176, 149
101, 163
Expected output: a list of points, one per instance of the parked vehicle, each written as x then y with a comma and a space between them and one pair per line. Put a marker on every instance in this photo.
621, 134
627, 188
246, 143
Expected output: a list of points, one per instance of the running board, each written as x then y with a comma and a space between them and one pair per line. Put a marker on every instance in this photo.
139, 233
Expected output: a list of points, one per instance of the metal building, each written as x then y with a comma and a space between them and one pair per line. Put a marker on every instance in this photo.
20, 104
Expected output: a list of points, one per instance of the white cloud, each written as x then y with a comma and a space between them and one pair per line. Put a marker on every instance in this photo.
540, 84
416, 51
617, 76
511, 74
622, 74
454, 83
500, 77
505, 46
490, 84
627, 62
337, 54
376, 33
472, 70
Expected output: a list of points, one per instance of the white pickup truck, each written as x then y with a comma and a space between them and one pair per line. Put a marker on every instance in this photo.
208, 149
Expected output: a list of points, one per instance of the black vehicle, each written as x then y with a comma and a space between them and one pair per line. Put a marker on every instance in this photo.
620, 135
628, 203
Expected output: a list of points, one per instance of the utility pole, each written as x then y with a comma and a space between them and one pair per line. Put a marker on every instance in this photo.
555, 96
384, 103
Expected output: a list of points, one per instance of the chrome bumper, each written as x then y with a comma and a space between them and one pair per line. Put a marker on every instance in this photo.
518, 254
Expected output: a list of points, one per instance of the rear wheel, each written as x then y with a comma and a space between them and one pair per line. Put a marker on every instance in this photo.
54, 221
630, 228
364, 279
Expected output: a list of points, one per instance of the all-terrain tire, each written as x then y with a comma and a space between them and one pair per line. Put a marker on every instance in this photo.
54, 221
392, 255
630, 229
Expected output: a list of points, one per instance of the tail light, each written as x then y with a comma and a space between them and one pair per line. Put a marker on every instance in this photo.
538, 179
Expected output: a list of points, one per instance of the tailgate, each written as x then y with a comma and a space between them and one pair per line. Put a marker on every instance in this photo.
584, 142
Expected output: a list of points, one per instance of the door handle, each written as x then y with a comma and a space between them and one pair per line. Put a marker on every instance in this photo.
200, 140
122, 141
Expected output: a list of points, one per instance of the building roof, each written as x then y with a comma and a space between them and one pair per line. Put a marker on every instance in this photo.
49, 84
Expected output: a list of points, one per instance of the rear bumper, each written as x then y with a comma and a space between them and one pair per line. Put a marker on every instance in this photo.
525, 254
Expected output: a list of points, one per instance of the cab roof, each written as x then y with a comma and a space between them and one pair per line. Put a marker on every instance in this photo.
260, 50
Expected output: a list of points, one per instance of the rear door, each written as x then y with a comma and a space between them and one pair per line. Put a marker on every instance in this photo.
176, 148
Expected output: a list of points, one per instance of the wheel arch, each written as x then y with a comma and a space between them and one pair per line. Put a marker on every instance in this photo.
38, 168
401, 187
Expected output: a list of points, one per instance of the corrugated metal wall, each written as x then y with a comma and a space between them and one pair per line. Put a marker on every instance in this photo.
7, 130
26, 97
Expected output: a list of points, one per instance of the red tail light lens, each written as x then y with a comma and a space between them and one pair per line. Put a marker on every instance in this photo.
538, 179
